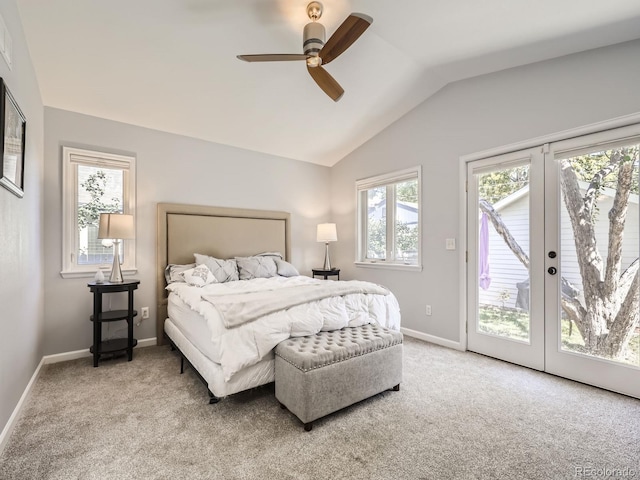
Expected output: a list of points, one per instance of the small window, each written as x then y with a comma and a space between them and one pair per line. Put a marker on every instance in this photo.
94, 183
389, 225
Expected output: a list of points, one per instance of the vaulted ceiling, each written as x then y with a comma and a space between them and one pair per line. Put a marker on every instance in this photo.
171, 64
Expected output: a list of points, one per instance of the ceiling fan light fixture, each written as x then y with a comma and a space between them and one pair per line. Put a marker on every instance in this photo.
314, 61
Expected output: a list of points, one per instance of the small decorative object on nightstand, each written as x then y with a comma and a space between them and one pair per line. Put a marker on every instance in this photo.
99, 317
326, 273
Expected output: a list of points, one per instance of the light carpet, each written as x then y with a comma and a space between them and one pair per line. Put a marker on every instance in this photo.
457, 416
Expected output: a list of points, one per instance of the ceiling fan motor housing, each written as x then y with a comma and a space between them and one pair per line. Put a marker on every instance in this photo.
313, 38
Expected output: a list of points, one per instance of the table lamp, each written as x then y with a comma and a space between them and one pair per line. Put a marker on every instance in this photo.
116, 226
326, 233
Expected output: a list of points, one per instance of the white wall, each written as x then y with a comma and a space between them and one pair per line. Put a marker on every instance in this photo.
466, 117
21, 280
170, 168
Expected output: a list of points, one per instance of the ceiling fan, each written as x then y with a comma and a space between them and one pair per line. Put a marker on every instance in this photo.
317, 52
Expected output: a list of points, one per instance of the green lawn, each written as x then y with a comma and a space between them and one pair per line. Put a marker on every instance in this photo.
504, 322
514, 324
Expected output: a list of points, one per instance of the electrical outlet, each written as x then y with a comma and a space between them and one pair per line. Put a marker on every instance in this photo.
145, 312
428, 310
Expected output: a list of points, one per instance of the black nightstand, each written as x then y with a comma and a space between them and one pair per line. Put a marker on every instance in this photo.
325, 273
99, 317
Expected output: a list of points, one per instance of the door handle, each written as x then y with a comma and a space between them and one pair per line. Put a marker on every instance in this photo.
552, 270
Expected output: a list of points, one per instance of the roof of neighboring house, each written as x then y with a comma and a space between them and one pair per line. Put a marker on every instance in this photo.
410, 206
518, 194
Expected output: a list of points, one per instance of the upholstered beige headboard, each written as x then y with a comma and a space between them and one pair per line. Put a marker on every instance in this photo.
220, 232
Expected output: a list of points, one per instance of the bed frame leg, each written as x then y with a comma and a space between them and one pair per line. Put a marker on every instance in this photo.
396, 388
212, 398
181, 364
308, 426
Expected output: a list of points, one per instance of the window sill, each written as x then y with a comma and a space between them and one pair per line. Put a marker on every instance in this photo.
389, 266
92, 273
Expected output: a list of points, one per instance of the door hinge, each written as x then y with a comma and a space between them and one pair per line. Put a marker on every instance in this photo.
466, 256
466, 186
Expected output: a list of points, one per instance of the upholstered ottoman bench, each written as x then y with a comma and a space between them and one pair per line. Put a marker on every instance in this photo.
320, 374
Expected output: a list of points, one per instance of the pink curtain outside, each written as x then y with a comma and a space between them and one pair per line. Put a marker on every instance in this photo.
485, 279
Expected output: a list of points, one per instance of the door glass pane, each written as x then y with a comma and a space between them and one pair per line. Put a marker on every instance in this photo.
599, 243
407, 214
100, 190
377, 223
503, 253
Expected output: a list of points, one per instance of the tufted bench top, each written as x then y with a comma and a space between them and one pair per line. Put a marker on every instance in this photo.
326, 348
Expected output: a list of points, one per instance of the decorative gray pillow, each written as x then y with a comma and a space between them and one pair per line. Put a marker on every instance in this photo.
285, 269
223, 270
199, 276
175, 273
256, 267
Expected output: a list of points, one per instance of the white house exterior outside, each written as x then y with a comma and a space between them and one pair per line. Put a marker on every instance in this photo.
506, 271
407, 212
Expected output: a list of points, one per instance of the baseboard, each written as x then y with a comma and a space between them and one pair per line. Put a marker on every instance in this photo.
47, 359
64, 357
433, 339
13, 419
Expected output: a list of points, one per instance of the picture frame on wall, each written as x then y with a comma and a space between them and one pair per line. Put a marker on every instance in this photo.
13, 126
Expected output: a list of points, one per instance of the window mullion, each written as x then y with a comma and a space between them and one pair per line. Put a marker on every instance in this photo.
365, 235
390, 219
73, 225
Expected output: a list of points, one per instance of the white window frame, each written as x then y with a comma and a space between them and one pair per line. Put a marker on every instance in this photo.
71, 158
387, 180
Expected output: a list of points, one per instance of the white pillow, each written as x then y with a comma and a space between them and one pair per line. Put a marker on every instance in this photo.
199, 276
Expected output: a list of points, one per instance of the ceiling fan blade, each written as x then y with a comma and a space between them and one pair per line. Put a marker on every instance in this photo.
272, 57
344, 36
326, 82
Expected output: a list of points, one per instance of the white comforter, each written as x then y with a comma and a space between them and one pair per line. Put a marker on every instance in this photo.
247, 344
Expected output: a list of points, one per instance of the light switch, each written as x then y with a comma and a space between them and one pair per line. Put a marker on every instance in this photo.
450, 244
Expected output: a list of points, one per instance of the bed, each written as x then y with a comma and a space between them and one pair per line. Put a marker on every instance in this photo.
232, 353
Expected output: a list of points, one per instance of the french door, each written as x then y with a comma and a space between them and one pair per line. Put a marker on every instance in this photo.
554, 243
504, 318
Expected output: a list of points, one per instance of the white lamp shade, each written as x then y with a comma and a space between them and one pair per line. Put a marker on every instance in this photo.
327, 232
116, 226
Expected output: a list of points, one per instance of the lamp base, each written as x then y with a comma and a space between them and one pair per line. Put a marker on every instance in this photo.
116, 272
327, 261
